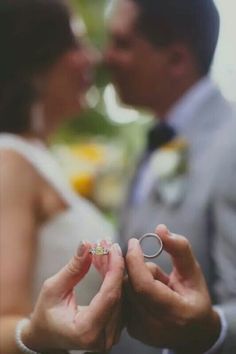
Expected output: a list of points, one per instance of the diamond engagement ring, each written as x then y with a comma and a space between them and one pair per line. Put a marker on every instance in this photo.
159, 245
99, 250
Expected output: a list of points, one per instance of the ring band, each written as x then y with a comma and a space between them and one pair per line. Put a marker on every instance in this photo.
152, 235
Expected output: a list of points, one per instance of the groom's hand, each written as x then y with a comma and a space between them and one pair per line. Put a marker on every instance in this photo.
172, 311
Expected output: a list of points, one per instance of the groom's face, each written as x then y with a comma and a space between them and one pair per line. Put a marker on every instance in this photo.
139, 70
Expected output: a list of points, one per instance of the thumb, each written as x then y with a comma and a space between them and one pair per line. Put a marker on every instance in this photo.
69, 276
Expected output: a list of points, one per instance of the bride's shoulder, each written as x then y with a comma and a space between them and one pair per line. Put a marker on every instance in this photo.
16, 172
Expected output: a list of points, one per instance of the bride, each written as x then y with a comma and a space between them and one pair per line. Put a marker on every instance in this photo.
45, 72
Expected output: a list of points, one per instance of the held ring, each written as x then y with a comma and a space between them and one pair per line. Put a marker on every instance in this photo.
99, 250
159, 241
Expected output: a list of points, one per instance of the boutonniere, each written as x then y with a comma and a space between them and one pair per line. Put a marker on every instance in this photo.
169, 166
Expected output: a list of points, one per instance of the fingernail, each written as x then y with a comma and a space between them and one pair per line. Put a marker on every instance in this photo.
117, 248
167, 230
133, 243
82, 248
172, 235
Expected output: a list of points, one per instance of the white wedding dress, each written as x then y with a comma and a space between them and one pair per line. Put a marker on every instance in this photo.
60, 237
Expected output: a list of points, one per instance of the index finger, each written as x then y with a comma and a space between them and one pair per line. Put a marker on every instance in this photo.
181, 252
142, 280
109, 294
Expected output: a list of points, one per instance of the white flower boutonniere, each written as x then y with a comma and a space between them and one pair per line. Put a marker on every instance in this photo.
169, 166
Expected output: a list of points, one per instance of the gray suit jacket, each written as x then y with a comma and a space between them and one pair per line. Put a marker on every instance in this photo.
206, 213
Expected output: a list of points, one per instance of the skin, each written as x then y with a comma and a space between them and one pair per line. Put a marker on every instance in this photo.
171, 311
65, 86
92, 327
26, 202
143, 74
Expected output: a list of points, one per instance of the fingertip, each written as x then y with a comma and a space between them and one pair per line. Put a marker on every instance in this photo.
116, 248
115, 259
83, 248
170, 240
162, 230
133, 244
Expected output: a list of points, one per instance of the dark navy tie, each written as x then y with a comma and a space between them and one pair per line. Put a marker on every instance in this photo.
159, 135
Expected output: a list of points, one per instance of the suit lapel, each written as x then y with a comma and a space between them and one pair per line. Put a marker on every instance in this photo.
200, 133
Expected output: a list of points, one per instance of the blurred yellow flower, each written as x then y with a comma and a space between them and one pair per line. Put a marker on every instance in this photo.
83, 183
91, 152
94, 170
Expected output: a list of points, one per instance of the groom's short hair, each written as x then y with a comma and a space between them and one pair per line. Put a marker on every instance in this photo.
194, 22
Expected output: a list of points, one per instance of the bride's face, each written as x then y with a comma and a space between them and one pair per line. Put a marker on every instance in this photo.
70, 78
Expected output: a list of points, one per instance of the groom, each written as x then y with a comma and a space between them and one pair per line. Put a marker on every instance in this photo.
160, 55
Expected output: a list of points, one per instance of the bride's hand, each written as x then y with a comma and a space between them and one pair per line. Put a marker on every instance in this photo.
116, 321
58, 323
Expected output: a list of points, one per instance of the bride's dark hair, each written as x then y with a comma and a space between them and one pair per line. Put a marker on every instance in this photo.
33, 35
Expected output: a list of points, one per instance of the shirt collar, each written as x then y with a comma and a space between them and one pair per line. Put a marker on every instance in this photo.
184, 109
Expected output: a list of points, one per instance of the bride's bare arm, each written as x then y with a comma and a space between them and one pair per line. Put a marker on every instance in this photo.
18, 227
57, 323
